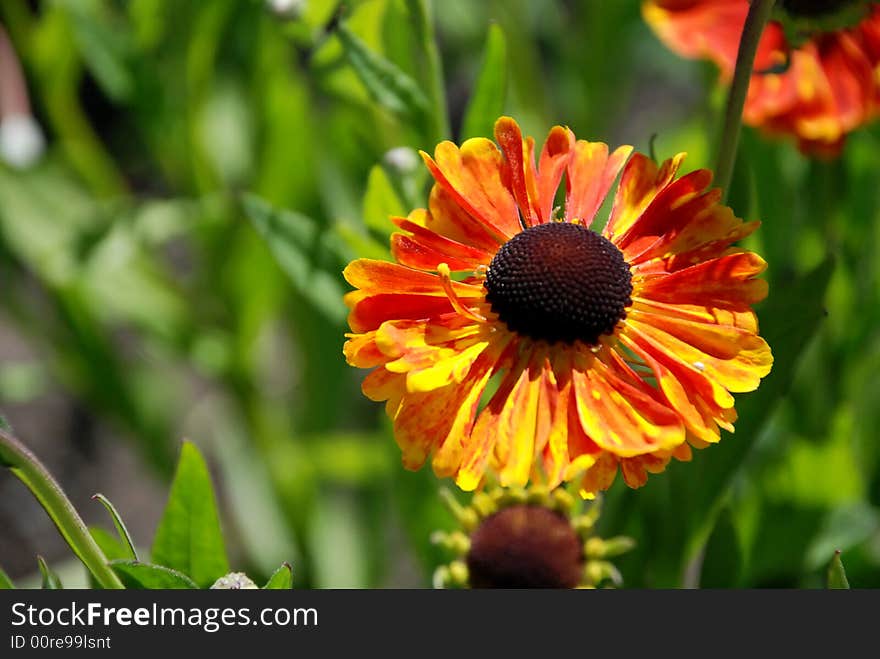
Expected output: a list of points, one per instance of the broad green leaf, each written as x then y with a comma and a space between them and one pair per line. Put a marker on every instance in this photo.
789, 320
50, 580
119, 524
146, 576
296, 242
390, 87
490, 89
189, 538
836, 578
281, 579
5, 581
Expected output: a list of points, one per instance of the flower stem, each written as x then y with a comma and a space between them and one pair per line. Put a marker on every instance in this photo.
31, 472
759, 14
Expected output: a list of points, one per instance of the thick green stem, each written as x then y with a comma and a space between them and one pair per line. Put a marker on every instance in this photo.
48, 492
759, 14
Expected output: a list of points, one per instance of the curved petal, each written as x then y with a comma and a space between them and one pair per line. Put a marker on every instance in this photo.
519, 168
599, 476
473, 177
441, 419
641, 181
726, 282
591, 173
425, 249
619, 417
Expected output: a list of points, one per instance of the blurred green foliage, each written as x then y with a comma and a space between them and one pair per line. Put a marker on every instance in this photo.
175, 261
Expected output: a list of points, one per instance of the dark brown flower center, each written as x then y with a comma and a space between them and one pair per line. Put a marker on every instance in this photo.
814, 7
525, 547
559, 282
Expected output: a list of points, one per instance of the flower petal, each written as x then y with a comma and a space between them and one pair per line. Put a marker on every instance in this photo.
555, 156
640, 183
439, 420
472, 176
424, 249
591, 173
619, 417
519, 168
727, 281
599, 476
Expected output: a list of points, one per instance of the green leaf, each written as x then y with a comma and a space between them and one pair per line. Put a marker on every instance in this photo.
5, 581
390, 87
146, 576
189, 538
836, 578
50, 579
788, 321
109, 543
4, 424
296, 242
490, 89
381, 202
430, 63
120, 526
281, 579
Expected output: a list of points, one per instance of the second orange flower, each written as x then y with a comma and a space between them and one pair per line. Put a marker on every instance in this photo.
509, 336
818, 81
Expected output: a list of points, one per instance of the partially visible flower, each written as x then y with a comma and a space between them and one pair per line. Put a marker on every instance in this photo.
556, 353
527, 538
234, 581
816, 71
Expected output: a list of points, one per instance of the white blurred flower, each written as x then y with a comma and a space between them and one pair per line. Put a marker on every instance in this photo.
21, 140
402, 159
289, 9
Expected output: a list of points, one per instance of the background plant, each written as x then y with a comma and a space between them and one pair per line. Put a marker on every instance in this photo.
171, 267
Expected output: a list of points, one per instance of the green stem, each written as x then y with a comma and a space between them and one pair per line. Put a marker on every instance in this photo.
32, 473
759, 14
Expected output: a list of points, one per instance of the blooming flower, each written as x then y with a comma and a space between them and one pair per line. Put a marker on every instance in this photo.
510, 338
815, 78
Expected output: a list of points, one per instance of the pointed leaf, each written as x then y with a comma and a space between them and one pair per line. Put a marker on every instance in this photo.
189, 538
146, 576
281, 579
390, 87
836, 578
50, 579
490, 89
119, 524
295, 241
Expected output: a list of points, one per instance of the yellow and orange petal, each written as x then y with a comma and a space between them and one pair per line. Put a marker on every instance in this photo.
818, 91
478, 398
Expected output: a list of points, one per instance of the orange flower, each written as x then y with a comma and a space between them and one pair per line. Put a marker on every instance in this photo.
555, 352
818, 90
